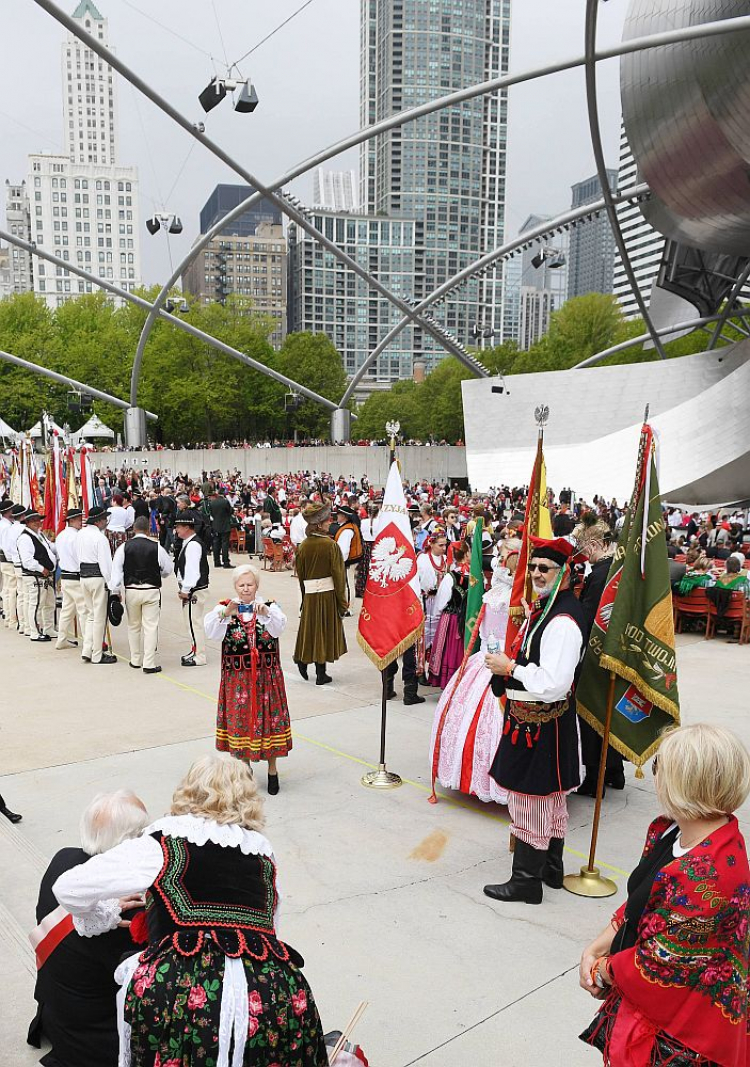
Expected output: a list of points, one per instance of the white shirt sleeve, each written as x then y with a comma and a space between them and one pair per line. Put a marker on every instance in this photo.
118, 570
214, 625
426, 573
26, 554
192, 573
559, 653
345, 543
128, 868
275, 621
445, 590
166, 565
104, 557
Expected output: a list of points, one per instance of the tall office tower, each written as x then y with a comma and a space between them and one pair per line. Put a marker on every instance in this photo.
253, 266
325, 298
18, 221
591, 243
225, 198
89, 97
446, 169
645, 245
335, 190
540, 287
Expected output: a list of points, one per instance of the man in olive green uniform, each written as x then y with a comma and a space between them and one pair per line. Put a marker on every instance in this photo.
322, 579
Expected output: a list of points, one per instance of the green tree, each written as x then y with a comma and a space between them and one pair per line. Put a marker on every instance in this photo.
313, 360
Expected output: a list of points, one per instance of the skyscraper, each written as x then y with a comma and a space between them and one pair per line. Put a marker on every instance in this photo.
538, 288
335, 190
591, 245
446, 169
89, 96
226, 197
645, 245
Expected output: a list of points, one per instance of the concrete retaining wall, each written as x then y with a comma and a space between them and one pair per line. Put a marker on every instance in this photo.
440, 463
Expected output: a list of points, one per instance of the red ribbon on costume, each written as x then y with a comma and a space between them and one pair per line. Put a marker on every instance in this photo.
439, 734
250, 630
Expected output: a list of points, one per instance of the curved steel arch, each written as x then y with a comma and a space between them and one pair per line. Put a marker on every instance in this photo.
632, 342
726, 313
592, 105
181, 324
45, 372
401, 118
527, 237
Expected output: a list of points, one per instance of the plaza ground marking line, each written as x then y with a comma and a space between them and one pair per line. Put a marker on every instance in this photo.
454, 802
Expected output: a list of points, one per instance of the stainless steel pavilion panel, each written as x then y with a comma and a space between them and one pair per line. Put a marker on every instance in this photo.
686, 109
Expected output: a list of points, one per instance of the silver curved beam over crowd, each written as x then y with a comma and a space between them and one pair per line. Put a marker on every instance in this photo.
416, 313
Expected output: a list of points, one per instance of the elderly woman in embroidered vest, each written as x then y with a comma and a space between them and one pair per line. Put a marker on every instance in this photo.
252, 721
672, 965
214, 976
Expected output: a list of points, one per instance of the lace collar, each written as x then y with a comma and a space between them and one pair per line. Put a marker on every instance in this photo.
198, 831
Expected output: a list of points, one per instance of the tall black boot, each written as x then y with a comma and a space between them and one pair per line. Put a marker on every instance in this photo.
587, 788
11, 816
554, 872
321, 678
411, 696
525, 883
390, 688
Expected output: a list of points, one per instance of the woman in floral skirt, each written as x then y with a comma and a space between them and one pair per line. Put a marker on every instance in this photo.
252, 720
215, 985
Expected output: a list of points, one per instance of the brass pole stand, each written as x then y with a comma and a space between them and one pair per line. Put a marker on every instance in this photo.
382, 778
590, 883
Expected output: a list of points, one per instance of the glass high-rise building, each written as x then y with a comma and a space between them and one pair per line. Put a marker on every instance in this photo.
591, 245
446, 169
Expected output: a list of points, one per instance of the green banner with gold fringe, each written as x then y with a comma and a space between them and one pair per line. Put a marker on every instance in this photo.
633, 631
476, 583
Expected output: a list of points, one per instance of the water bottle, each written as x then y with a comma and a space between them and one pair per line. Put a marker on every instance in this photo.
493, 645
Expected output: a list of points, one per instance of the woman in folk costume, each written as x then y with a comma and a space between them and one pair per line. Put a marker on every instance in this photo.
252, 720
322, 579
367, 530
432, 566
468, 720
214, 985
672, 964
450, 605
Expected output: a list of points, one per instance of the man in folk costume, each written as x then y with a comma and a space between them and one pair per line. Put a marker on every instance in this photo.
10, 547
322, 579
10, 590
537, 759
138, 567
95, 566
349, 539
38, 562
432, 566
73, 602
191, 569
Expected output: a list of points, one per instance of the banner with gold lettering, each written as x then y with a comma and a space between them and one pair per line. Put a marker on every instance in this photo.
633, 631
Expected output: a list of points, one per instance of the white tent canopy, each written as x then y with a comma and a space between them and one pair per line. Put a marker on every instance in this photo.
94, 428
36, 429
7, 431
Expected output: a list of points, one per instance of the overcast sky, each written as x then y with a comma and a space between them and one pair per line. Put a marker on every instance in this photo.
307, 77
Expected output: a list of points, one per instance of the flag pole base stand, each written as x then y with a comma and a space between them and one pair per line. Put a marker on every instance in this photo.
589, 883
381, 779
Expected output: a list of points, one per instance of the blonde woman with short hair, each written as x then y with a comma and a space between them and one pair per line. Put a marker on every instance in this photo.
672, 964
214, 983
252, 719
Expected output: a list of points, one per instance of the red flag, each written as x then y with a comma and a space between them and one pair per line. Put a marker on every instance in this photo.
392, 616
48, 523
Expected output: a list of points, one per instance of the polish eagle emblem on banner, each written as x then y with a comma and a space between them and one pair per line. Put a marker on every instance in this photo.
391, 562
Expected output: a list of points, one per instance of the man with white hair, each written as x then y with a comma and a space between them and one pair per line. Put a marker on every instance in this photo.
75, 988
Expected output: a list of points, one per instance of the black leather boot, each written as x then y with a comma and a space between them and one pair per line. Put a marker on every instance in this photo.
321, 678
390, 689
302, 668
587, 788
554, 872
411, 696
11, 816
525, 883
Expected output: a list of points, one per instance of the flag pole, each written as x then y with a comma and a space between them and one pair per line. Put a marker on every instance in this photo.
590, 883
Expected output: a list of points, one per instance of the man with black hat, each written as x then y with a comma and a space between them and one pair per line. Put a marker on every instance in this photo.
221, 524
139, 566
38, 562
95, 565
348, 537
10, 547
6, 567
320, 570
73, 604
192, 581
537, 759
141, 510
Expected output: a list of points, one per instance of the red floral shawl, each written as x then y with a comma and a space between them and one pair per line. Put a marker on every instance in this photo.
688, 971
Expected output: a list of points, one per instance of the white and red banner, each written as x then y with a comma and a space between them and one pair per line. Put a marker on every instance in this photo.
392, 617
87, 482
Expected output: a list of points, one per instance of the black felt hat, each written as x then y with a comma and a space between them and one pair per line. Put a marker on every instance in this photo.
74, 513
17, 511
96, 514
6, 505
115, 610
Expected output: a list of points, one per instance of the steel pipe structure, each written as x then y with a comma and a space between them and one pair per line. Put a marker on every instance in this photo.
180, 323
63, 379
592, 106
623, 346
727, 310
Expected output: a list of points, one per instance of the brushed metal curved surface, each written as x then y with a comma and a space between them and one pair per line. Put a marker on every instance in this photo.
686, 109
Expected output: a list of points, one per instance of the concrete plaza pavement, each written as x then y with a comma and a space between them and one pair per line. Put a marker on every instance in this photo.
382, 891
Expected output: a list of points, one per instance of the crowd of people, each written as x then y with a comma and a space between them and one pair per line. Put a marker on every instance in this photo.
206, 934
266, 442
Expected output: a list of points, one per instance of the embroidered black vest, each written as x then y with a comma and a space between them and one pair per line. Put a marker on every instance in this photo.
237, 647
566, 603
217, 893
180, 565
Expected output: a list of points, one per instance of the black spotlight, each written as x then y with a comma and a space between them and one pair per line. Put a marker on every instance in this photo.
153, 224
175, 225
248, 98
212, 95
538, 260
